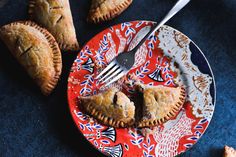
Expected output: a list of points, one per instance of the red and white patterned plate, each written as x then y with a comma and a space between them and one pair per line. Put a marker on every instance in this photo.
166, 56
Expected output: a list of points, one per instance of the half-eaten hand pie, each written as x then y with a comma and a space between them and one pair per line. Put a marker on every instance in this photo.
56, 17
104, 10
160, 103
36, 50
111, 107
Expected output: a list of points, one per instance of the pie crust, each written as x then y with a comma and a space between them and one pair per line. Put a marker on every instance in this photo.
36, 50
160, 103
104, 10
56, 17
229, 152
111, 107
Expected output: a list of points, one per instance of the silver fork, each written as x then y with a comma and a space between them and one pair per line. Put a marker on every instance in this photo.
121, 65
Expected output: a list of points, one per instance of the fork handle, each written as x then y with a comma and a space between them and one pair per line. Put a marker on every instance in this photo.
177, 7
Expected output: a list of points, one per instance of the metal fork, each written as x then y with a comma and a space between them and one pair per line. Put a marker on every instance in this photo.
121, 65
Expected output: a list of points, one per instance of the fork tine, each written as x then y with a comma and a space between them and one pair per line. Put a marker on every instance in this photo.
107, 68
116, 78
112, 75
114, 68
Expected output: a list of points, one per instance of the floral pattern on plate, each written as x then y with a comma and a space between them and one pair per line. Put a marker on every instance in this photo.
166, 58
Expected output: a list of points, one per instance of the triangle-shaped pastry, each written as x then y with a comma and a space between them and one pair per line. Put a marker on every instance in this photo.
36, 50
104, 10
229, 152
56, 17
160, 103
111, 107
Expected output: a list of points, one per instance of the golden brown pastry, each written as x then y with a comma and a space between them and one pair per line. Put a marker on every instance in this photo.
229, 152
160, 103
36, 50
56, 17
103, 10
111, 107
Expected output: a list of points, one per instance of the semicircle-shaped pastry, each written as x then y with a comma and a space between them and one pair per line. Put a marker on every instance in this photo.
104, 10
111, 107
56, 17
36, 50
160, 103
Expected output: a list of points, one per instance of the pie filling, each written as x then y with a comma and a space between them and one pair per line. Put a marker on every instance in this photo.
160, 103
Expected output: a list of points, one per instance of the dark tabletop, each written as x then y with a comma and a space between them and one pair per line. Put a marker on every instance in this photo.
34, 125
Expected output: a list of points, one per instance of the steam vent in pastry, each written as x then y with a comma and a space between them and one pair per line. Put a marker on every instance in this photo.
104, 10
36, 50
111, 107
160, 103
56, 17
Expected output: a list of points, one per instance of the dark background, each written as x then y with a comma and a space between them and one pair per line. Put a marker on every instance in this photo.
34, 125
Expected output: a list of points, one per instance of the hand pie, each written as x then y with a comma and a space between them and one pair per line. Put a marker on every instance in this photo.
160, 104
229, 152
56, 17
104, 10
36, 50
112, 108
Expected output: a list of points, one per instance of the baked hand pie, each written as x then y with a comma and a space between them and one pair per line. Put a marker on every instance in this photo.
160, 103
36, 50
56, 17
229, 152
104, 10
111, 107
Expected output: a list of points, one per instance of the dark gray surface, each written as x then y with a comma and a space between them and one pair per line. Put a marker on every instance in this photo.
34, 125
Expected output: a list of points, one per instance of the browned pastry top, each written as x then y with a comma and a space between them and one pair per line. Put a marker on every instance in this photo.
55, 15
111, 107
103, 10
160, 103
36, 50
